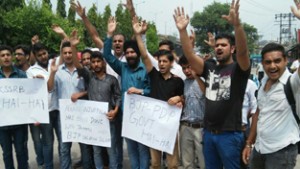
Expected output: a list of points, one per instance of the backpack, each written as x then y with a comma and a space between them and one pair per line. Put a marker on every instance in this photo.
290, 97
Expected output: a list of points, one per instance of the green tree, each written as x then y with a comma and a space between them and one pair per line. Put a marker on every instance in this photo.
106, 14
71, 15
124, 22
34, 19
252, 37
152, 38
96, 20
8, 5
5, 6
61, 8
210, 20
47, 2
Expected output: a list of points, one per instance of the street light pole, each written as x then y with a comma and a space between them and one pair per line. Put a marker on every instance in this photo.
136, 5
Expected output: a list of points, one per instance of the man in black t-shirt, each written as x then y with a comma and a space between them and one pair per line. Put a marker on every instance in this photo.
225, 87
164, 86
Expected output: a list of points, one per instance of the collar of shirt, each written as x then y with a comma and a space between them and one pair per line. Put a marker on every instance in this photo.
64, 67
14, 71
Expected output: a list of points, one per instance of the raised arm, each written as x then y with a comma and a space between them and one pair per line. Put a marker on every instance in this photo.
193, 38
58, 30
242, 55
74, 40
130, 7
296, 12
182, 22
88, 25
200, 82
112, 60
51, 80
137, 29
211, 40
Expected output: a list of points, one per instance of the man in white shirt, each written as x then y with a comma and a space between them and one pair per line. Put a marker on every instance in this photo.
295, 65
43, 134
274, 130
249, 104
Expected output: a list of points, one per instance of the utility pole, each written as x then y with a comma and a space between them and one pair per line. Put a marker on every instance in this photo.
285, 25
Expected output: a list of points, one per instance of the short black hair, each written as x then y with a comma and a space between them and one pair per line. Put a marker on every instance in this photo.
155, 53
132, 44
86, 51
168, 43
166, 53
5, 47
270, 47
65, 44
25, 49
183, 60
97, 54
37, 47
229, 37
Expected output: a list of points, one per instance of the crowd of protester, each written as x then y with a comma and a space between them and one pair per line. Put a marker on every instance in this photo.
227, 121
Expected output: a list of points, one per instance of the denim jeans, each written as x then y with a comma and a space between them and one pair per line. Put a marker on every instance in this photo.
48, 138
36, 135
54, 120
65, 153
139, 155
284, 158
119, 140
223, 149
99, 164
14, 135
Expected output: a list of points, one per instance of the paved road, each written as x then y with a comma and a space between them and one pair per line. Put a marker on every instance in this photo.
76, 155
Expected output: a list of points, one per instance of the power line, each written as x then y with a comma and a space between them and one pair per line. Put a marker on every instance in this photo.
285, 23
265, 7
260, 6
255, 13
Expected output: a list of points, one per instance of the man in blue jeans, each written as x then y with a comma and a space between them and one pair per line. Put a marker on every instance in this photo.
226, 82
43, 134
16, 134
65, 80
134, 81
101, 87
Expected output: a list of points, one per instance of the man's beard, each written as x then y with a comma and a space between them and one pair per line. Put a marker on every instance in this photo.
132, 64
43, 65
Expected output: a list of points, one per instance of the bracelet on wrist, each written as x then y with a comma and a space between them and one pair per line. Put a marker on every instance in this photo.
248, 146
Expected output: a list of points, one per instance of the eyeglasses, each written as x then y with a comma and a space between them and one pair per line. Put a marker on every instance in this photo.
19, 54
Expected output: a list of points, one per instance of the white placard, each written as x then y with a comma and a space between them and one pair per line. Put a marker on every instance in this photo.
151, 122
85, 122
23, 101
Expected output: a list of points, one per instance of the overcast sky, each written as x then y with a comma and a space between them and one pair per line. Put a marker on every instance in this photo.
259, 13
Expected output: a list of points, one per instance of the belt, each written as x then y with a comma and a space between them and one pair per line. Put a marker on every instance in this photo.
193, 125
244, 127
214, 131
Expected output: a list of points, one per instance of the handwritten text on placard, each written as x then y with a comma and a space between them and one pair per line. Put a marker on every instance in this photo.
151, 122
23, 101
85, 122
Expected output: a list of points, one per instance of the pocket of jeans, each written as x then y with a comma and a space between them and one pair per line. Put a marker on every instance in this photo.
239, 139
